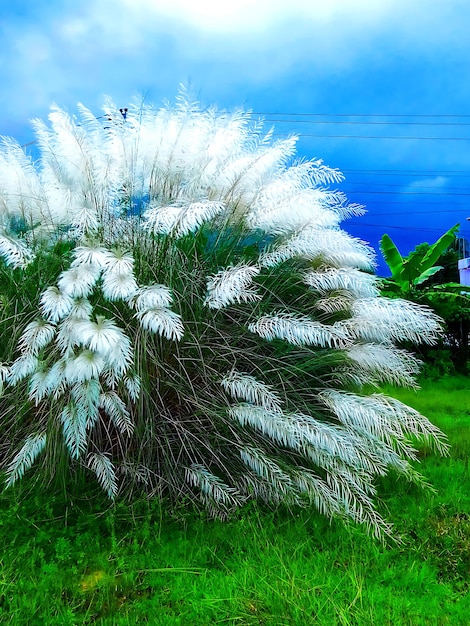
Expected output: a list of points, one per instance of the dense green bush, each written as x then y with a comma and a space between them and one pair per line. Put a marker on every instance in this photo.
429, 276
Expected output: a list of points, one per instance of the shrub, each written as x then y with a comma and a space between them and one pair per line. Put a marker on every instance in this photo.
181, 311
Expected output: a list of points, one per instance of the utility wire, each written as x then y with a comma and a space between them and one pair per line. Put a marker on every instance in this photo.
411, 203
355, 123
414, 213
397, 186
374, 137
424, 115
463, 234
433, 173
408, 193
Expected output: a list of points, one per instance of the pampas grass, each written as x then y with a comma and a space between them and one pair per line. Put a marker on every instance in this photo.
185, 314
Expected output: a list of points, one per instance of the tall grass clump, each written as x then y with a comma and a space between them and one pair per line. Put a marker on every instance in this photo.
181, 313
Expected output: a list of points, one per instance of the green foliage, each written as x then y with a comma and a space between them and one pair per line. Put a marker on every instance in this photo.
416, 278
415, 269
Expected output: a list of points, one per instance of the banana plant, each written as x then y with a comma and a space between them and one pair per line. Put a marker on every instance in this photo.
413, 270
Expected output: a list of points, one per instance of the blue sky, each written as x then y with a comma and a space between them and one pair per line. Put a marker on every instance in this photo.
381, 83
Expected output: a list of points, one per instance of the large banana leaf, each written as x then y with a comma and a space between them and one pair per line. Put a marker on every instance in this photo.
414, 270
392, 257
441, 245
426, 274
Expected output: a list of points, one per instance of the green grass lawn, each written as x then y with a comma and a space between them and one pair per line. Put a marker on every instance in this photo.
68, 560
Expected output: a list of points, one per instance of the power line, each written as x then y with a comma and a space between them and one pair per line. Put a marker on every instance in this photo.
433, 173
397, 186
355, 123
424, 213
408, 193
411, 203
404, 227
424, 115
374, 137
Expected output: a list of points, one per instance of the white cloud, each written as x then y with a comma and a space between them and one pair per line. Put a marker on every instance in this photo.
245, 16
438, 182
222, 48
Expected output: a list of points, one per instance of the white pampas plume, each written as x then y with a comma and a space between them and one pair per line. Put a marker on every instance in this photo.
79, 281
38, 386
112, 404
90, 254
212, 487
104, 470
332, 246
245, 387
55, 304
24, 459
271, 423
280, 482
36, 336
85, 366
132, 384
85, 220
14, 251
81, 309
152, 296
4, 374
181, 220
22, 367
359, 284
299, 330
118, 286
74, 422
118, 262
385, 320
381, 363
162, 321
100, 336
232, 285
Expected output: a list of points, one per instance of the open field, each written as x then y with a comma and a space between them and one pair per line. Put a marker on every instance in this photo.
68, 560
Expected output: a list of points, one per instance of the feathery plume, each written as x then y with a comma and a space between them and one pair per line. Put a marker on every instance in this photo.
102, 336
358, 284
232, 285
118, 262
85, 366
36, 336
22, 367
245, 387
25, 458
4, 374
55, 304
74, 421
379, 363
333, 247
385, 320
181, 220
14, 251
118, 286
212, 488
299, 330
103, 468
112, 404
38, 387
90, 253
79, 281
152, 296
162, 321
